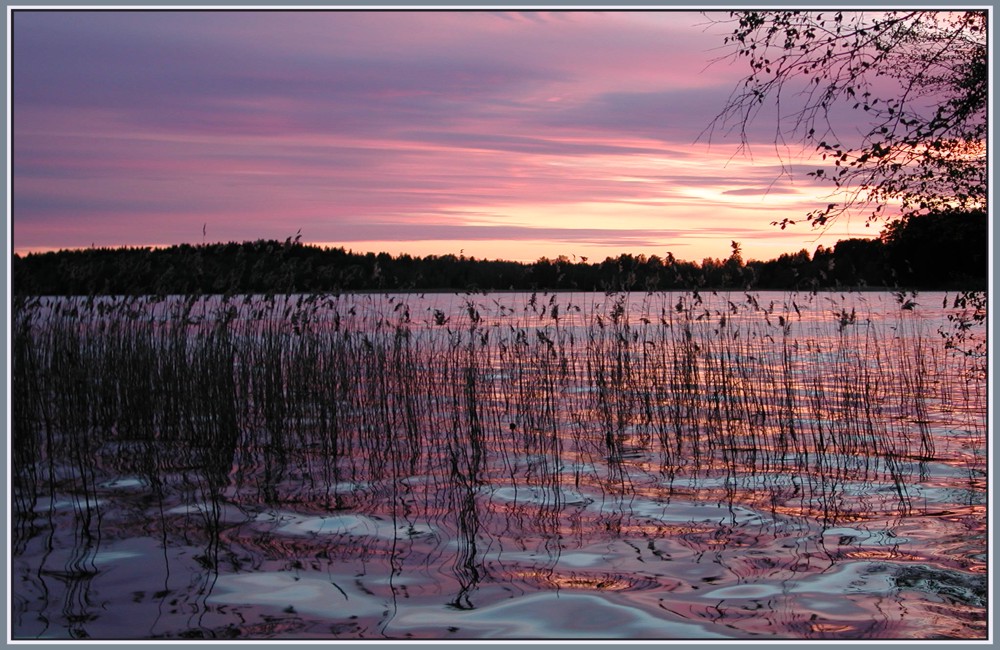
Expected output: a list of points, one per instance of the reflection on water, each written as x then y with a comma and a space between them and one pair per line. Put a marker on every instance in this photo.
505, 466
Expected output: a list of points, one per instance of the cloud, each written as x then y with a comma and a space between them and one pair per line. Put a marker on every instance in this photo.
651, 115
533, 144
144, 69
759, 191
403, 231
385, 125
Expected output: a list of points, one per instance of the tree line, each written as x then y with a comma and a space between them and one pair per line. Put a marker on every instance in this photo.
944, 250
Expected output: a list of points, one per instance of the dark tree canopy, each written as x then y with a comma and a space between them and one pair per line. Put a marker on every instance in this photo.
938, 251
926, 247
913, 86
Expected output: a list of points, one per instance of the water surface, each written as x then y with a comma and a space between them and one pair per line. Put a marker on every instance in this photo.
502, 466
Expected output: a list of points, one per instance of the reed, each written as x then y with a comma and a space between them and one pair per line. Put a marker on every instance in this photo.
285, 398
475, 438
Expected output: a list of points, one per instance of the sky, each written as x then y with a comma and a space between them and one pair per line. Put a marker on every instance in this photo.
495, 135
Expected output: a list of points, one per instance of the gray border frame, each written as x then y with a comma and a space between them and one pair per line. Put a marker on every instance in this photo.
446, 4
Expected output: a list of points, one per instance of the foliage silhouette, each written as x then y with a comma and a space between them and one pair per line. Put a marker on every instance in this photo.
936, 251
912, 84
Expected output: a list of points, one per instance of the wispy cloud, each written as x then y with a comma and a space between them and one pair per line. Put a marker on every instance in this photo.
138, 127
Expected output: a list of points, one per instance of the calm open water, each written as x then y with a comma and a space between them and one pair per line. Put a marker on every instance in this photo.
502, 466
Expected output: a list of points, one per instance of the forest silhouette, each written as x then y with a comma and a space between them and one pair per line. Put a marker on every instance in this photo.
943, 250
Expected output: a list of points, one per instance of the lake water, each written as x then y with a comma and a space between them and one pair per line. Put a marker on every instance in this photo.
502, 466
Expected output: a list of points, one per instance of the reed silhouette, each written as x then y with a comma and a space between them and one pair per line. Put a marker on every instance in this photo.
458, 430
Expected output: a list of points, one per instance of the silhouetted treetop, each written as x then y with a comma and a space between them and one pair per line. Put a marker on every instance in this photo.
914, 84
945, 250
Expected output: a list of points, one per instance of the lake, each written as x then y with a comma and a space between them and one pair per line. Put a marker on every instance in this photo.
498, 466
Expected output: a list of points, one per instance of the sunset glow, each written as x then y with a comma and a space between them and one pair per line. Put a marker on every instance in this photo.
498, 135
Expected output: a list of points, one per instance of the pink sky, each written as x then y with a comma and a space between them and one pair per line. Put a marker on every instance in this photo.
500, 135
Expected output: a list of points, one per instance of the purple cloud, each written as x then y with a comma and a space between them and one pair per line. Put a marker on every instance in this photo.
140, 127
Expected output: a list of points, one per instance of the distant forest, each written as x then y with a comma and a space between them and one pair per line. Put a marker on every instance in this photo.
934, 251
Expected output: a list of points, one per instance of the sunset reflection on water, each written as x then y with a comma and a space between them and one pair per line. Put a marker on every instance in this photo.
203, 469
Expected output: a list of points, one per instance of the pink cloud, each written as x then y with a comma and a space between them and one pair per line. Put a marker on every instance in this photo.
140, 127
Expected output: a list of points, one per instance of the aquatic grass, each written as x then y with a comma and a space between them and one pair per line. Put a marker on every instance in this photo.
479, 438
281, 398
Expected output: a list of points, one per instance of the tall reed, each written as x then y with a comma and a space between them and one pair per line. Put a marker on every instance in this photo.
307, 398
